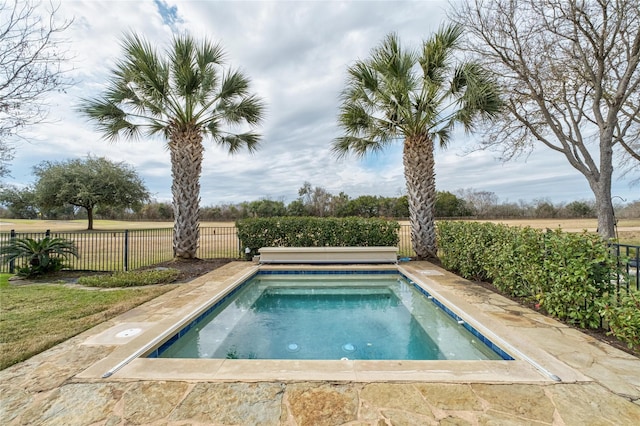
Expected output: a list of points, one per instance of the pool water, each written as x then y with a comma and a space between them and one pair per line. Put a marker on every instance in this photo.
328, 317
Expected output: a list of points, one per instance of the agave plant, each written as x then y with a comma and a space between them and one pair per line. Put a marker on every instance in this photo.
42, 256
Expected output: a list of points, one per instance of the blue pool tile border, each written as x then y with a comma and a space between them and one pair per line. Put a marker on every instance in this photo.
497, 349
320, 272
164, 346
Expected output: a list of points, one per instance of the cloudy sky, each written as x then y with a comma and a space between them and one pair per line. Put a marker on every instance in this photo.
296, 54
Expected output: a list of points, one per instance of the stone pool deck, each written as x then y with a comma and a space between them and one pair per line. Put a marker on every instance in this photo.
601, 385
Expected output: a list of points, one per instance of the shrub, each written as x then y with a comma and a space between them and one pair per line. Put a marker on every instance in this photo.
42, 256
463, 247
316, 232
515, 262
131, 278
566, 273
579, 270
623, 316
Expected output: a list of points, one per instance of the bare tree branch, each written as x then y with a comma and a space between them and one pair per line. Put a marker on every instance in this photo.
31, 55
570, 71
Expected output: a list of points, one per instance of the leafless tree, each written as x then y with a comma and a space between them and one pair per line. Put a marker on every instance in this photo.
571, 81
31, 56
483, 202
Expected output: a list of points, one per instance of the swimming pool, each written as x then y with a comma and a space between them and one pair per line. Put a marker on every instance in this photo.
330, 315
133, 342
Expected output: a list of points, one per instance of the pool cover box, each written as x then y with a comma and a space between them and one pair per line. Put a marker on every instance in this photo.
328, 254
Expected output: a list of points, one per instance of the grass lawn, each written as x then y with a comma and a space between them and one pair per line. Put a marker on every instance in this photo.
36, 317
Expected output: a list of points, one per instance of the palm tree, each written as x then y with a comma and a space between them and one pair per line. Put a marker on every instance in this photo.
417, 97
183, 95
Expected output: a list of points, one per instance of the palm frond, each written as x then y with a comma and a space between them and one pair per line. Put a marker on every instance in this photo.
358, 146
438, 51
234, 84
209, 58
185, 73
142, 68
245, 110
110, 120
477, 93
235, 142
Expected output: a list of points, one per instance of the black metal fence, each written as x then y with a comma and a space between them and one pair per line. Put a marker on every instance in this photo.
133, 249
629, 263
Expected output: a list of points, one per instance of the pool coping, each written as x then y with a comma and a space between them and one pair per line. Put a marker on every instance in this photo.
532, 364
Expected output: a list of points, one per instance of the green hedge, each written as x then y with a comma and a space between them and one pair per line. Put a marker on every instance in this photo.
316, 232
622, 313
567, 274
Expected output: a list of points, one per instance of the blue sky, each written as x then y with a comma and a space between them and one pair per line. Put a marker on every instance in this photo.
296, 54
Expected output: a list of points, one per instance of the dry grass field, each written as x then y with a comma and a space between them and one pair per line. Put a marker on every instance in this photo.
34, 225
28, 225
150, 243
628, 229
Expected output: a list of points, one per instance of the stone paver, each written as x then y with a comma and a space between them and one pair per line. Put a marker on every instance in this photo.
47, 389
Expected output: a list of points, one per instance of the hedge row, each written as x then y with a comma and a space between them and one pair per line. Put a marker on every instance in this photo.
566, 274
316, 232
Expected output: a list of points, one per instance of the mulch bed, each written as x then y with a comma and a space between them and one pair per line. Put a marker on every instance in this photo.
192, 268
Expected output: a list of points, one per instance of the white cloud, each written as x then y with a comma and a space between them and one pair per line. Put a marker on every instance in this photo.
296, 54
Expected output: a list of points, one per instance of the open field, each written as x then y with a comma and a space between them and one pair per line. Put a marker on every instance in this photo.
34, 225
29, 225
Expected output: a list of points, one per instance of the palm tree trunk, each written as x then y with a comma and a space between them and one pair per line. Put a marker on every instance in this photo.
186, 165
419, 172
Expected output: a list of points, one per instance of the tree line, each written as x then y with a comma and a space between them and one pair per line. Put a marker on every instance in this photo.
97, 187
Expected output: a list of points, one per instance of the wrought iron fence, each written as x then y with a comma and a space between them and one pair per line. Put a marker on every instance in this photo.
405, 248
628, 263
132, 249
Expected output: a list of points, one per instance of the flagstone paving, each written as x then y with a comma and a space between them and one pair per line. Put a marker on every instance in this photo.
49, 388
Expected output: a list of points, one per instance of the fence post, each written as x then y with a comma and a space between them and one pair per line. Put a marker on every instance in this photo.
12, 264
126, 250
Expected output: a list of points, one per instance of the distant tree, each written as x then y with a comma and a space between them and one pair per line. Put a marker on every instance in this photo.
339, 204
20, 203
415, 97
580, 209
545, 209
183, 95
481, 202
296, 208
570, 72
506, 210
317, 200
448, 205
630, 211
267, 208
365, 206
156, 211
30, 67
88, 183
401, 207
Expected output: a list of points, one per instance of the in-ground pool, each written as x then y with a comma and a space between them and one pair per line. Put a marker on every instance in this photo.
368, 315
